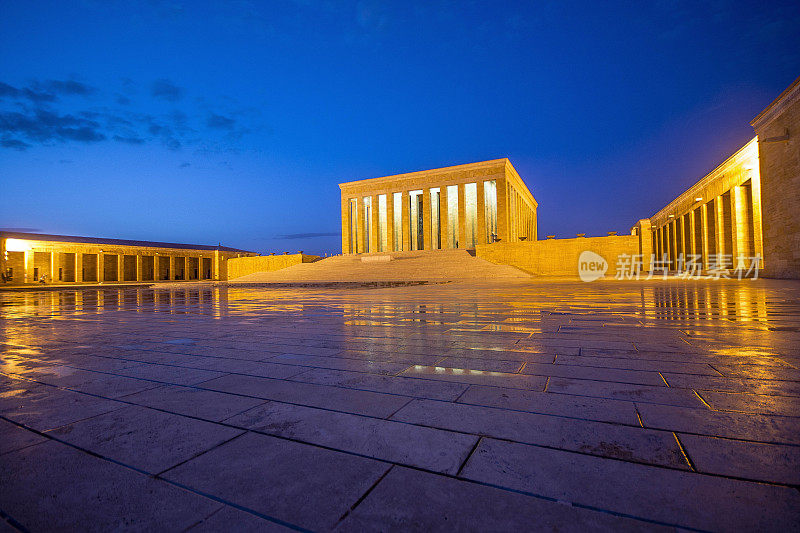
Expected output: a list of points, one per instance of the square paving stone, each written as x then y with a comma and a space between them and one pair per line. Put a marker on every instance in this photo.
596, 438
410, 500
232, 519
237, 366
99, 383
43, 407
418, 388
600, 409
432, 449
199, 403
14, 437
637, 377
297, 483
753, 403
774, 429
671, 497
774, 463
54, 487
174, 375
144, 438
624, 391
326, 397
339, 363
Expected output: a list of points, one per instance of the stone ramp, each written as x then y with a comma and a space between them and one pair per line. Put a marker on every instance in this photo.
434, 265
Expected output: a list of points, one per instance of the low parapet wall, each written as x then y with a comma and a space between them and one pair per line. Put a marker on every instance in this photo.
559, 257
242, 266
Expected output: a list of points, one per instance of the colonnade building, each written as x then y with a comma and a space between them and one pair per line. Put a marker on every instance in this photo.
444, 208
745, 212
33, 257
716, 223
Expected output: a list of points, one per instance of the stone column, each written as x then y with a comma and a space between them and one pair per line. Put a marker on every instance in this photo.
692, 244
345, 225
389, 222
374, 234
360, 237
462, 217
139, 267
100, 267
719, 226
444, 219
427, 241
78, 267
481, 215
120, 267
171, 260
406, 230
53, 268
740, 225
502, 210
27, 262
704, 250
755, 206
673, 249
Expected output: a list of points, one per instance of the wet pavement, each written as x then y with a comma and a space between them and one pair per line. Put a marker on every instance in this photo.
457, 406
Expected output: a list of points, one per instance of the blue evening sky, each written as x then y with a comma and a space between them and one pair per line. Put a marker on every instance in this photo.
233, 122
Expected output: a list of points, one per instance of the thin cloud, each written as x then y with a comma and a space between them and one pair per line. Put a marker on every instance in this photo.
128, 140
21, 230
47, 126
166, 90
46, 90
36, 115
14, 144
293, 236
220, 122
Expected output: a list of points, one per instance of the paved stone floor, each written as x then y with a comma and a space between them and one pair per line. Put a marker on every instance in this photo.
519, 405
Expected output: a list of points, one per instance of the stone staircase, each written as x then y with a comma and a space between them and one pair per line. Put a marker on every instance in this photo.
433, 265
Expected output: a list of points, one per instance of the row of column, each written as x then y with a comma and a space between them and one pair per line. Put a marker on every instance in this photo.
522, 219
363, 229
73, 267
723, 233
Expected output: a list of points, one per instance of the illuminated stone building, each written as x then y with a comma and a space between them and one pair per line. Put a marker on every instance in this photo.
31, 257
747, 207
778, 130
454, 207
716, 223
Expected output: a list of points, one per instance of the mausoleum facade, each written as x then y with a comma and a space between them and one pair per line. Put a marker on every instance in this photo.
444, 208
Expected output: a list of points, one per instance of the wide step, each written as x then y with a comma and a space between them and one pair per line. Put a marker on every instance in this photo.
438, 265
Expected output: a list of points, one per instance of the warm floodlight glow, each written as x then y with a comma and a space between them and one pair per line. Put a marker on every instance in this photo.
17, 245
698, 199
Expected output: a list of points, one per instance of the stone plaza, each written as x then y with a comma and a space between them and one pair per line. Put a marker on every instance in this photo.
448, 406
448, 371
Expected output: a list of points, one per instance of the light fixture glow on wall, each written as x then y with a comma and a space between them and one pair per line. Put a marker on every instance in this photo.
17, 245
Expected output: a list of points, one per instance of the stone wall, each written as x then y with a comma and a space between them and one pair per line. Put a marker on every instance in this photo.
778, 130
558, 257
242, 266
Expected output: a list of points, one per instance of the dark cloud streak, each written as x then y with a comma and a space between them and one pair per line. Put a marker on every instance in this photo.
166, 90
220, 122
293, 236
34, 114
